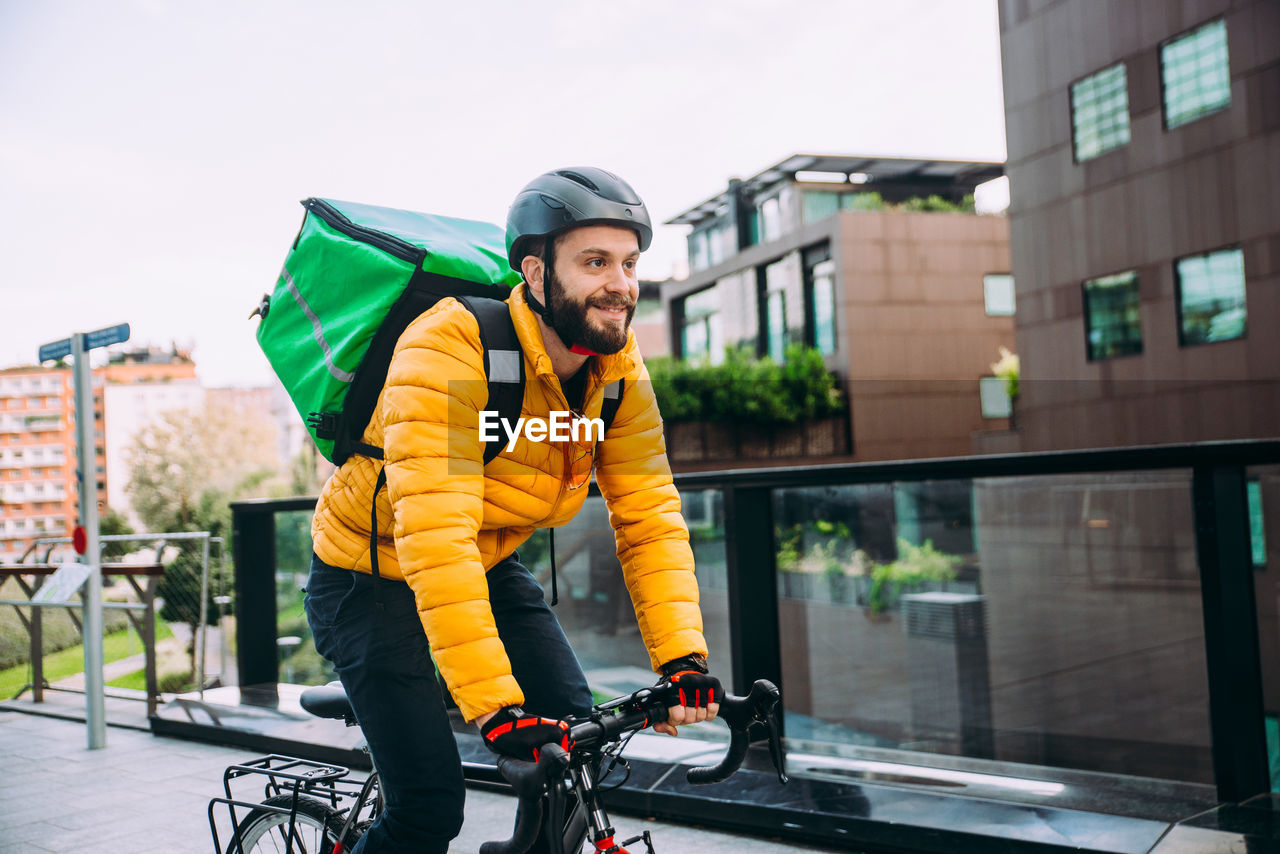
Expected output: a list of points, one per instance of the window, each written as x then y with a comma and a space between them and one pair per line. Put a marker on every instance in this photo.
776, 309
700, 335
1113, 316
997, 289
1100, 113
698, 251
770, 220
824, 307
1195, 74
1211, 302
994, 395
818, 205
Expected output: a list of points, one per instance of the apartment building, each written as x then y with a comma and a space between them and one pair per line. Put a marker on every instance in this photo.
1144, 162
880, 263
38, 456
38, 492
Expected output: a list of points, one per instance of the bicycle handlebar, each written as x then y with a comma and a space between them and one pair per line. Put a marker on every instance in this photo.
631, 714
529, 780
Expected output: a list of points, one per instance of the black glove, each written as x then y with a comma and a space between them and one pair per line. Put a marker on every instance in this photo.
513, 733
690, 682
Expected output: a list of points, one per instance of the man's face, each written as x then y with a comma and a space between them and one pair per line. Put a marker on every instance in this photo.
593, 288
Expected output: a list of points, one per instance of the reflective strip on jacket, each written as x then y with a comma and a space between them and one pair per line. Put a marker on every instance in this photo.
445, 518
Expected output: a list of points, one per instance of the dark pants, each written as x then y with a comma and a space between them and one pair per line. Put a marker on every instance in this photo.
382, 658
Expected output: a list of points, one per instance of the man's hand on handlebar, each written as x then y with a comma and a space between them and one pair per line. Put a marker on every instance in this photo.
694, 690
512, 732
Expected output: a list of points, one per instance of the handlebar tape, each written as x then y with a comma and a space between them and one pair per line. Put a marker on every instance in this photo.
738, 743
528, 780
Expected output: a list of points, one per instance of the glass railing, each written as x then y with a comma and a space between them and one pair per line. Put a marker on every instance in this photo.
1098, 613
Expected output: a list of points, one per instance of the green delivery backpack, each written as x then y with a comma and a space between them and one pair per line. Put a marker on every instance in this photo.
356, 277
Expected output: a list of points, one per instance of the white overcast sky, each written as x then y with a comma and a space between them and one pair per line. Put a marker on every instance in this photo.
153, 152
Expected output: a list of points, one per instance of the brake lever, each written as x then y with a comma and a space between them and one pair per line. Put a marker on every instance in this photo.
775, 749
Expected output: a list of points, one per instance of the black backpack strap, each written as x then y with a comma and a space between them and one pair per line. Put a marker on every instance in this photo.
503, 362
612, 400
373, 533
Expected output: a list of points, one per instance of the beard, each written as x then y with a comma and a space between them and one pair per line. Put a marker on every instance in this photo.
572, 324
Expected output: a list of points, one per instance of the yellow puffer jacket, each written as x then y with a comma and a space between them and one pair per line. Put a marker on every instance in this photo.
445, 518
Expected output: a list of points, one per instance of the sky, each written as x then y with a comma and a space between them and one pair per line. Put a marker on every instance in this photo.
153, 153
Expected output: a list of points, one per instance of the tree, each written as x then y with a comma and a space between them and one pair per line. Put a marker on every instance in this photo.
187, 467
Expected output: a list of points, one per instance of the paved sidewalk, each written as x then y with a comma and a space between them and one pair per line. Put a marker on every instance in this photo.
147, 794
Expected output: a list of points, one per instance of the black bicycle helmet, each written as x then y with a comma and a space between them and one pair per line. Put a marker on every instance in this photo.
568, 198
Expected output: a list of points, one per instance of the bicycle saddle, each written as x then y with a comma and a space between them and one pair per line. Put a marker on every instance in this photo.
328, 701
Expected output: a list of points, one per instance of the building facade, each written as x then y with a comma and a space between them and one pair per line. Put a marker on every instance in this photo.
1144, 162
138, 385
880, 264
38, 457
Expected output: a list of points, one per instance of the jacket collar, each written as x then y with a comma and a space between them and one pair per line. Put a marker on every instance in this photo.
604, 369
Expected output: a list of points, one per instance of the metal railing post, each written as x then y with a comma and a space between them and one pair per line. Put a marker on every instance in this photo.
254, 547
1230, 632
750, 556
201, 640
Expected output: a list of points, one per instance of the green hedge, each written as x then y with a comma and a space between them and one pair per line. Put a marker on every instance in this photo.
744, 388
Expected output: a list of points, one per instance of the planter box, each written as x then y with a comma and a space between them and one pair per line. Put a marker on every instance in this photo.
707, 441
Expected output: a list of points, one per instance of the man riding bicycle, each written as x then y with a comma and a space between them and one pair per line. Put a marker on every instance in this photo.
447, 525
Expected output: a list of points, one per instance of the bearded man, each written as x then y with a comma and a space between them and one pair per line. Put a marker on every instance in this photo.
450, 587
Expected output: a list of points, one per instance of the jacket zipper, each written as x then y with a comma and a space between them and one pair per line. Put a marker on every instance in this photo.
336, 219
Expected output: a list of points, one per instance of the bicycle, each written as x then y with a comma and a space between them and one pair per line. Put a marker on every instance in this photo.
312, 807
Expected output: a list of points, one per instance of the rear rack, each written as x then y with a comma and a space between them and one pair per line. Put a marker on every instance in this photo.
285, 775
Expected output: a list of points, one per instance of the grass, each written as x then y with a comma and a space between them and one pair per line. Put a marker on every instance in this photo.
70, 661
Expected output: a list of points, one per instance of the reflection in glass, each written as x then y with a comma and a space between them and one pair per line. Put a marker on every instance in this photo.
299, 663
595, 608
1211, 297
1051, 620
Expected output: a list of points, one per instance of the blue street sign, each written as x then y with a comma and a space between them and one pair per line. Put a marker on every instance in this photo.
56, 350
92, 340
106, 337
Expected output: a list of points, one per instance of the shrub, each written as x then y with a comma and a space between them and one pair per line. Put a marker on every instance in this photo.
746, 389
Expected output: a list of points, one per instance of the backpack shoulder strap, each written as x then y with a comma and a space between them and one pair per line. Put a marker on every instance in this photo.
503, 362
612, 400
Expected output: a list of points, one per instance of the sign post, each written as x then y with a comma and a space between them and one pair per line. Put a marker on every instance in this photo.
78, 347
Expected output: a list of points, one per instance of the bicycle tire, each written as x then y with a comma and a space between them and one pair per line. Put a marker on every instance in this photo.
316, 829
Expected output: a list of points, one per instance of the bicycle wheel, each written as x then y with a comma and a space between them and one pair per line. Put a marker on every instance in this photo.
315, 831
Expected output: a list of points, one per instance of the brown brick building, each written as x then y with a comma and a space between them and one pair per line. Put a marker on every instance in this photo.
1144, 163
878, 262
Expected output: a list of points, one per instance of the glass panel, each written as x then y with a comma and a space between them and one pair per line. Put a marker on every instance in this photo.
1211, 297
997, 289
1257, 533
595, 609
824, 307
1196, 74
1264, 498
776, 308
985, 619
819, 205
1113, 316
698, 258
300, 664
1100, 112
